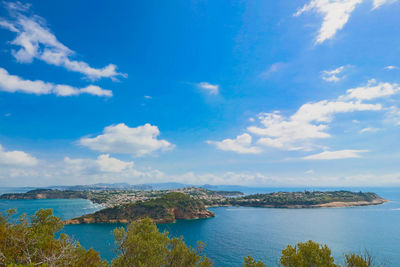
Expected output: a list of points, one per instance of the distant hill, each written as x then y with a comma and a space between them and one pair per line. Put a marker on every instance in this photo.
102, 186
45, 194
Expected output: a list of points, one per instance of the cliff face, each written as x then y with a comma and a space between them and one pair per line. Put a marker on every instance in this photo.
165, 209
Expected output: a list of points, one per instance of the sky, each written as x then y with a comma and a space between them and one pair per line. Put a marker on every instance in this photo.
256, 93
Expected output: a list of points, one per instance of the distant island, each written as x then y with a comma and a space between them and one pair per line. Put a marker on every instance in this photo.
166, 206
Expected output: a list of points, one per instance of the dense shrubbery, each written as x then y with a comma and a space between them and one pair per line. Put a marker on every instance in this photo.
32, 242
143, 245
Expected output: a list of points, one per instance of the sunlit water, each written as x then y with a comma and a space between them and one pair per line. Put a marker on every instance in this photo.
236, 232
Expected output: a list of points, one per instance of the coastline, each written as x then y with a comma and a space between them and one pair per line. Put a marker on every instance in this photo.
210, 214
335, 204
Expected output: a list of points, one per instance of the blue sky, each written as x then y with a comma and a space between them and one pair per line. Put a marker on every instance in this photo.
258, 93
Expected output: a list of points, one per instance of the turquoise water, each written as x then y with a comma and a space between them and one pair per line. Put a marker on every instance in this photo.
236, 232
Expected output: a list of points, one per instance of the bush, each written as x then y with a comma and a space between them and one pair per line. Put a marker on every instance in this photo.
143, 245
32, 242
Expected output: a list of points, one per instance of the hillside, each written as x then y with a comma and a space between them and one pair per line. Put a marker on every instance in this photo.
165, 209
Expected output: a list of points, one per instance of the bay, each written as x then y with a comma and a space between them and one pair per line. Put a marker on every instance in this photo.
236, 232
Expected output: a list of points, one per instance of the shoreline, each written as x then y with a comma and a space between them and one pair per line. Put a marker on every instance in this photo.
335, 204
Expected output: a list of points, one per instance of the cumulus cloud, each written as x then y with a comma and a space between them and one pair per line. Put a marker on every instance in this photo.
107, 169
13, 83
309, 122
74, 171
372, 90
212, 89
104, 164
34, 40
242, 145
16, 158
121, 139
336, 14
339, 154
333, 75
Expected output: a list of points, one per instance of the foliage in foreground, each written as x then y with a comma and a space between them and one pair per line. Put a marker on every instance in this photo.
143, 245
32, 242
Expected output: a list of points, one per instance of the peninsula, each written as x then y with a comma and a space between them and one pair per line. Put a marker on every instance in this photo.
165, 209
166, 206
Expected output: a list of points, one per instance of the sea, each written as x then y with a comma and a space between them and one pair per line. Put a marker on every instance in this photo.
236, 232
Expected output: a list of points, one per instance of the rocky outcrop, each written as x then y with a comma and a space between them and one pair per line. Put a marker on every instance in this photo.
166, 209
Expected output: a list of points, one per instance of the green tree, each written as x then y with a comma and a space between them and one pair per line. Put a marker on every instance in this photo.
354, 260
31, 242
143, 245
308, 254
250, 262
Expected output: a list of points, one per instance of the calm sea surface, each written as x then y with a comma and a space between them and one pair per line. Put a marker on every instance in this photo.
261, 232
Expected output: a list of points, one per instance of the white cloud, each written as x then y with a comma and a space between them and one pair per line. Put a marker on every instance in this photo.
16, 158
103, 163
391, 67
241, 145
12, 83
74, 171
210, 88
122, 139
369, 130
35, 40
340, 154
309, 122
333, 75
379, 3
372, 90
336, 14
393, 115
106, 169
147, 97
309, 172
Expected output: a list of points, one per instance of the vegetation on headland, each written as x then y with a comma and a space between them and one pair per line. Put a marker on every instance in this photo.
33, 242
165, 209
305, 199
166, 206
